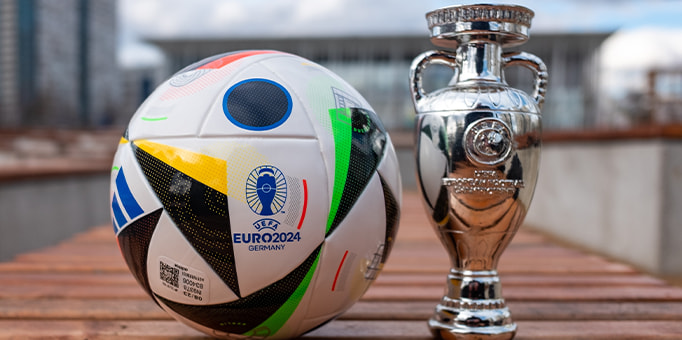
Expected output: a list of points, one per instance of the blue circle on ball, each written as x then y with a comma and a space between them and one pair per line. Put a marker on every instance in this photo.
257, 104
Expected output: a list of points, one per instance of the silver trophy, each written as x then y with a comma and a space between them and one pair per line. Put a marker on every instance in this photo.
478, 152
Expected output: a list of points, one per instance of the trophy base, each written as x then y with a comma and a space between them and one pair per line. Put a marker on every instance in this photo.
460, 331
473, 309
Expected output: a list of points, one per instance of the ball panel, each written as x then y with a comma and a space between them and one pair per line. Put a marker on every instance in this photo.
127, 206
133, 241
221, 60
352, 255
208, 160
359, 140
178, 107
292, 226
176, 117
319, 91
392, 209
326, 91
273, 325
199, 211
208, 170
392, 188
317, 88
262, 313
211, 332
130, 195
388, 169
179, 273
257, 102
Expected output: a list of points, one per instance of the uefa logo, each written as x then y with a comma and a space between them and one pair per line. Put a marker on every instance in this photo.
488, 141
266, 190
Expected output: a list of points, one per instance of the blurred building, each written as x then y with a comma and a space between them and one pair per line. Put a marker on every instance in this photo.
58, 62
662, 101
378, 67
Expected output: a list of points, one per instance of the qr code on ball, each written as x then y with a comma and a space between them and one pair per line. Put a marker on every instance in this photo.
169, 274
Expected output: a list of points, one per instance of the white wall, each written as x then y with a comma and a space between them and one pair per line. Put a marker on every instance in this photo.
619, 198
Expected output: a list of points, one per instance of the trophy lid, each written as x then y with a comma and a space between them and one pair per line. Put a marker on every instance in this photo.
506, 24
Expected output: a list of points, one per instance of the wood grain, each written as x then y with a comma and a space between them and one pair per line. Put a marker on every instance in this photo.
82, 288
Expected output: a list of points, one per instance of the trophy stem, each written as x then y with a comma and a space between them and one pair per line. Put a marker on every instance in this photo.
473, 308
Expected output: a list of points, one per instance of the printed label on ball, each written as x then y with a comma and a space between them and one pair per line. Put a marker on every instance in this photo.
375, 265
266, 192
191, 283
266, 241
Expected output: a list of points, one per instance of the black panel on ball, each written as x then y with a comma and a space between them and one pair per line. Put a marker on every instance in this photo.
133, 241
245, 314
392, 218
199, 212
367, 149
257, 104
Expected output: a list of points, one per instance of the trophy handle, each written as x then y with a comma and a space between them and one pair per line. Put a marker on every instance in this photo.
534, 64
420, 63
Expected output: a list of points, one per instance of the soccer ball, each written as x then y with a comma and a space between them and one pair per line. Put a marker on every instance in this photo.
255, 194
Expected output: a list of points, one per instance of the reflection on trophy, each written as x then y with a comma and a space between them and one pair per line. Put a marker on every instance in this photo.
478, 152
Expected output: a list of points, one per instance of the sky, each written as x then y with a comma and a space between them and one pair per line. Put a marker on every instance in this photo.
200, 18
140, 19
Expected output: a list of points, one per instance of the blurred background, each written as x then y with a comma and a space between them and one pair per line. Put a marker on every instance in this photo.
73, 72
89, 64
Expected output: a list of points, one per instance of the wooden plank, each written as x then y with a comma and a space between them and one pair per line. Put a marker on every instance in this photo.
527, 330
599, 330
430, 258
535, 280
86, 258
82, 309
526, 311
39, 291
65, 267
516, 293
340, 329
81, 260
66, 278
385, 279
146, 309
96, 329
100, 234
512, 268
379, 310
393, 266
376, 293
75, 251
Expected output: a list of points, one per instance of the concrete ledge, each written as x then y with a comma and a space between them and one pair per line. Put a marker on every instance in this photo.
52, 168
621, 197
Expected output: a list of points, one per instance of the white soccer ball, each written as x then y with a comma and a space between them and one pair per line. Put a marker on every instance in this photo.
255, 194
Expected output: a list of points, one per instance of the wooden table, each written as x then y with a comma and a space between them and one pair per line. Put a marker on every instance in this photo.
82, 289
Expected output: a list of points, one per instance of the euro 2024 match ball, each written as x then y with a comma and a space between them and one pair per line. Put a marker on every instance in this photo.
255, 194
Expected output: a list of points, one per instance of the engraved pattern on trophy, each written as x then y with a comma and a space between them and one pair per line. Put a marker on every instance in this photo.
478, 150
